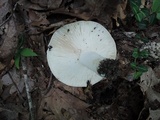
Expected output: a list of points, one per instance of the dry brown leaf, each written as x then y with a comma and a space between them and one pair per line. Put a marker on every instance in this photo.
76, 91
8, 114
2, 66
102, 10
51, 4
9, 45
147, 82
14, 75
26, 4
8, 35
119, 13
63, 106
37, 19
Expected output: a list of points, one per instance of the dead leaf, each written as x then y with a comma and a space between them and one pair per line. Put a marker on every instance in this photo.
8, 115
8, 47
154, 114
11, 111
76, 91
51, 4
2, 66
157, 71
119, 13
147, 81
14, 75
4, 9
130, 34
63, 106
37, 19
25, 4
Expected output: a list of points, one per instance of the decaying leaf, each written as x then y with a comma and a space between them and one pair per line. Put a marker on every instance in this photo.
120, 11
12, 111
51, 4
147, 81
37, 19
8, 34
76, 91
102, 10
143, 3
2, 66
14, 76
157, 71
63, 106
154, 114
4, 9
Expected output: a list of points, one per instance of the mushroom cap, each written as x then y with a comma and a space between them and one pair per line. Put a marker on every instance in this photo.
71, 41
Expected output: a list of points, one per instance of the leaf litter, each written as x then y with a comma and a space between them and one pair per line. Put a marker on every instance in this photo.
109, 99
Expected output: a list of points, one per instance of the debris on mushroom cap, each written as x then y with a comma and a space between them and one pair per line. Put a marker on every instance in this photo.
75, 51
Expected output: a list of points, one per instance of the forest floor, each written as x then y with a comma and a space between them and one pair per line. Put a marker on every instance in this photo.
32, 92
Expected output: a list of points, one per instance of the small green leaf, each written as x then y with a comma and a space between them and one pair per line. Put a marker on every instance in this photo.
17, 61
156, 6
137, 75
158, 16
137, 2
27, 52
139, 13
140, 16
145, 39
135, 53
141, 68
134, 65
20, 41
144, 54
135, 7
142, 25
142, 38
145, 11
152, 18
138, 36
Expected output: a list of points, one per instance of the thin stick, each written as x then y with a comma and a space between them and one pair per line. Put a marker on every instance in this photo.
50, 83
19, 93
25, 77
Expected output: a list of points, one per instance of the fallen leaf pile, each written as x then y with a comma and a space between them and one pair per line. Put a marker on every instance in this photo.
36, 21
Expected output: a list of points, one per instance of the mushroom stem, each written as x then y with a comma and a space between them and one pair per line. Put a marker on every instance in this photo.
91, 60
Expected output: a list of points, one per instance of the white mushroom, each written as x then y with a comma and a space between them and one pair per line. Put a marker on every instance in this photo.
75, 51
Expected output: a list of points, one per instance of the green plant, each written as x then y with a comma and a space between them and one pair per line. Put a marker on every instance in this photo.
145, 16
137, 67
22, 52
142, 38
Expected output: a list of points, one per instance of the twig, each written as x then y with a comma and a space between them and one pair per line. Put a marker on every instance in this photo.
50, 83
25, 77
140, 113
19, 93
